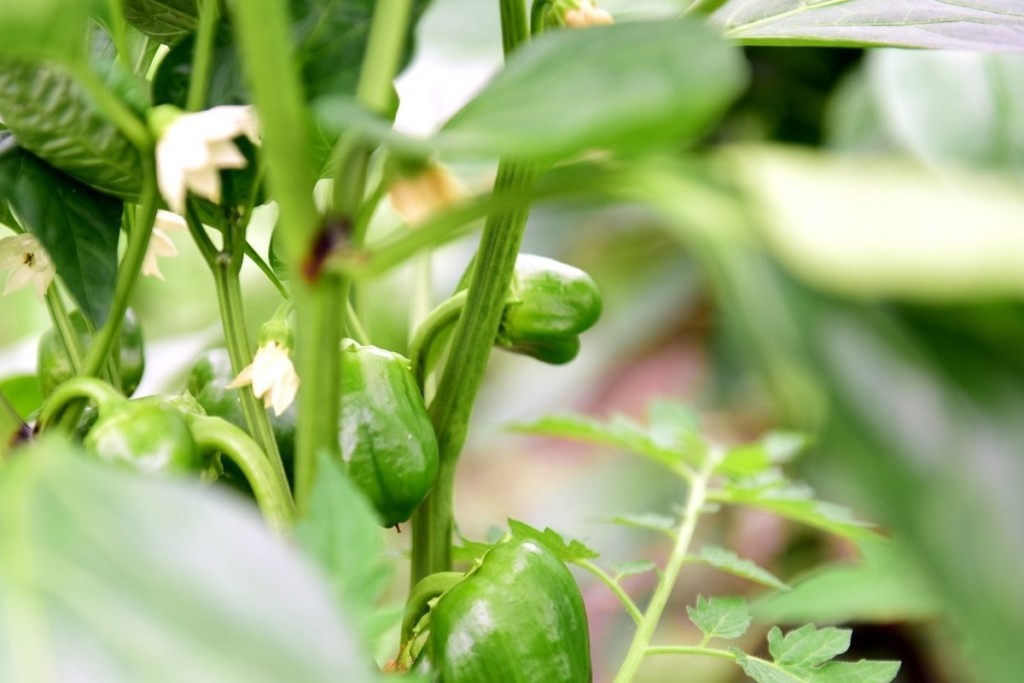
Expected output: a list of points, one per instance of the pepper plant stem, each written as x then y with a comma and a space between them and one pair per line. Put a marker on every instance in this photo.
642, 638
427, 332
62, 323
434, 521
202, 56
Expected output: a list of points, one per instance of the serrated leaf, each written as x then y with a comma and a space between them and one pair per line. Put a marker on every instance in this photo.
113, 576
675, 427
807, 646
570, 91
720, 617
567, 551
342, 533
650, 521
728, 561
635, 568
78, 226
618, 432
862, 671
764, 672
775, 448
963, 25
795, 502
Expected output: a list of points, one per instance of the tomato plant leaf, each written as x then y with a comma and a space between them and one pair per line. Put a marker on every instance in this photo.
804, 656
113, 576
963, 25
728, 561
570, 91
342, 533
719, 617
567, 551
78, 226
773, 449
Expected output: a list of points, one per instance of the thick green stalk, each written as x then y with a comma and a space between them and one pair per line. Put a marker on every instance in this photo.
667, 581
434, 521
202, 57
436, 322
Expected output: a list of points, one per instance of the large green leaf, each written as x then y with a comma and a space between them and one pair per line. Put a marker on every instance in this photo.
111, 576
959, 25
55, 119
78, 226
162, 19
45, 29
625, 86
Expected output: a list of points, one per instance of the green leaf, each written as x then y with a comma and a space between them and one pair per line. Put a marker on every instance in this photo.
728, 561
962, 25
165, 20
635, 568
775, 448
891, 229
618, 432
23, 393
45, 29
720, 617
78, 226
113, 576
342, 533
226, 82
650, 521
570, 91
803, 656
884, 587
567, 551
675, 427
52, 117
807, 646
796, 502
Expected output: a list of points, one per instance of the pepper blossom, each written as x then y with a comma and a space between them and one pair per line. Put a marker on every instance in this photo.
272, 376
193, 148
28, 262
587, 14
419, 196
160, 244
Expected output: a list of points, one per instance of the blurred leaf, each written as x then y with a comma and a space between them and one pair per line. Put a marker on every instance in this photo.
775, 448
23, 393
111, 576
165, 20
772, 492
871, 227
567, 551
54, 118
720, 617
342, 533
884, 587
962, 25
570, 91
226, 81
635, 568
927, 100
78, 226
649, 521
45, 29
674, 427
728, 561
618, 432
803, 656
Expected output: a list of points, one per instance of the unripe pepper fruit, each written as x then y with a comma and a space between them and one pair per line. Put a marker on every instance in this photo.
145, 435
518, 617
386, 437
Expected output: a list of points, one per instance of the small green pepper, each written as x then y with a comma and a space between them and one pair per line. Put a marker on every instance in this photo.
207, 382
550, 304
54, 366
387, 440
518, 617
145, 435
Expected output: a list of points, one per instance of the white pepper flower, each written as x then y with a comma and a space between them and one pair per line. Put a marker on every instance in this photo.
417, 197
587, 14
193, 148
28, 262
272, 376
160, 244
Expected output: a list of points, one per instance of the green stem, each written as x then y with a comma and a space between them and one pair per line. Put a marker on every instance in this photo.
265, 268
75, 389
614, 587
229, 295
418, 604
65, 330
642, 638
114, 109
434, 521
690, 650
353, 327
436, 322
202, 56
273, 499
195, 228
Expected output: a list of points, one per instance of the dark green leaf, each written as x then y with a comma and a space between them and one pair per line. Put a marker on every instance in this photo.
77, 225
728, 561
570, 91
23, 393
341, 532
226, 83
165, 20
961, 25
720, 617
112, 576
567, 551
52, 117
884, 587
